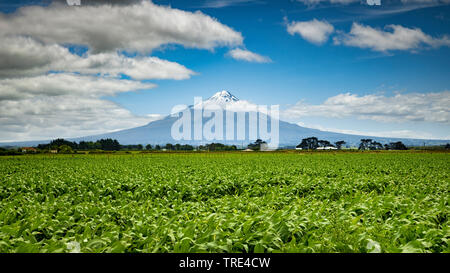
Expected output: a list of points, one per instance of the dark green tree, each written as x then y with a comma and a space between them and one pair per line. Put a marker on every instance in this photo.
365, 144
369, 144
169, 146
397, 146
309, 143
256, 146
324, 143
339, 144
54, 144
376, 146
109, 144
65, 149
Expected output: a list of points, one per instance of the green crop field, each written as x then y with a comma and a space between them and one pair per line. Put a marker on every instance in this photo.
226, 202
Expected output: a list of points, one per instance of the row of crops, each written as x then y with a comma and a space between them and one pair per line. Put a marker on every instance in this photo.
226, 202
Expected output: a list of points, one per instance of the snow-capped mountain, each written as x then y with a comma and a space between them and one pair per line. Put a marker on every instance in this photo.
222, 97
226, 100
159, 131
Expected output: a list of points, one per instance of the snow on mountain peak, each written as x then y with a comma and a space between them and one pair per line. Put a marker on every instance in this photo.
222, 97
228, 101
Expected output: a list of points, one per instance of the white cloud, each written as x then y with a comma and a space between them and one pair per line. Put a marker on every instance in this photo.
246, 55
399, 38
413, 107
392, 133
66, 84
41, 117
47, 91
26, 57
314, 31
32, 39
64, 105
138, 27
237, 106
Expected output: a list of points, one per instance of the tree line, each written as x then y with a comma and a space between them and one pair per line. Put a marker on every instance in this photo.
312, 143
64, 146
369, 144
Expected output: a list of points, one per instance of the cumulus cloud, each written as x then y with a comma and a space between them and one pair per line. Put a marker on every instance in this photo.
24, 56
246, 55
42, 117
398, 38
415, 107
60, 84
138, 27
32, 39
236, 106
392, 133
47, 91
314, 31
64, 105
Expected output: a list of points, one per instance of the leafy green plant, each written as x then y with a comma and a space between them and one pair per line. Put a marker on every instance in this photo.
225, 202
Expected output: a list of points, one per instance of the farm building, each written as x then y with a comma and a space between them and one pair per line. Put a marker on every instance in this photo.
28, 150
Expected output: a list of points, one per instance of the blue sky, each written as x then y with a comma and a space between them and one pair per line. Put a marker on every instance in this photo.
299, 74
301, 70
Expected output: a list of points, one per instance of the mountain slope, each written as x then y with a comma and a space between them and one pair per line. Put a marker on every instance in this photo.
159, 132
